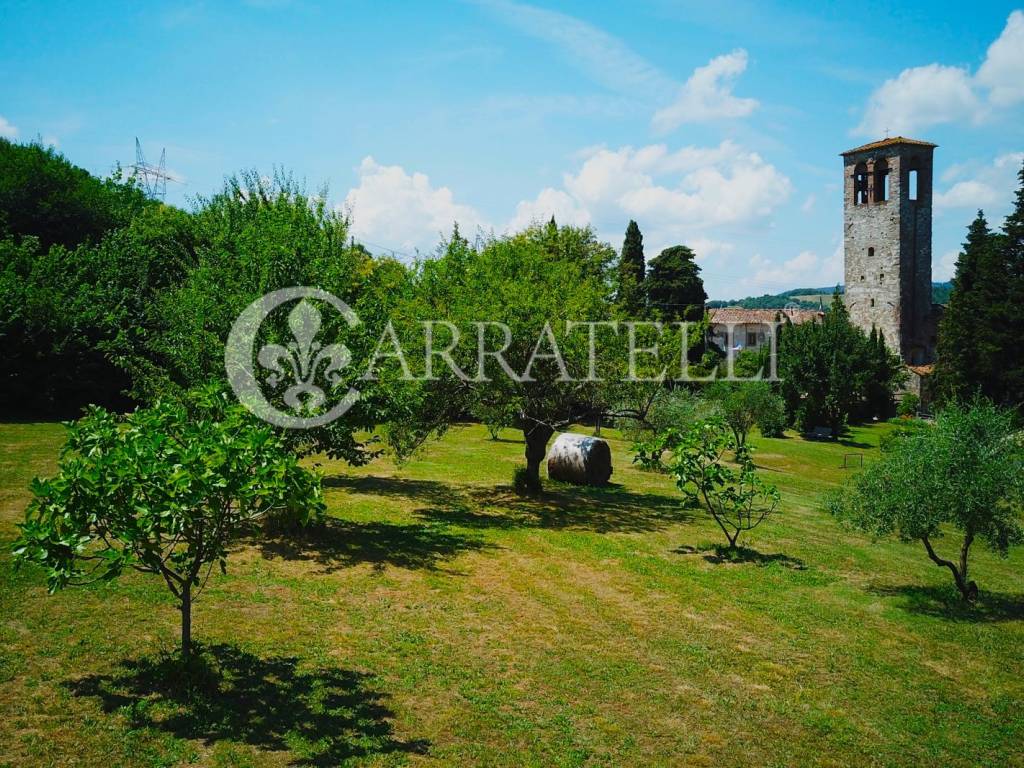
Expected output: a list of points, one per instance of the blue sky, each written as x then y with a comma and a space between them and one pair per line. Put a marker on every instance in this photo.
717, 125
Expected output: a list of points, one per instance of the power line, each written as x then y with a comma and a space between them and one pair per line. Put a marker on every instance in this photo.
154, 177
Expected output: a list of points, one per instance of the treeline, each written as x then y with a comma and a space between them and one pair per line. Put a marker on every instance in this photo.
940, 295
120, 300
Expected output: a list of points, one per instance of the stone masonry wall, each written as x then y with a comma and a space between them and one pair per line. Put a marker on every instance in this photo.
891, 287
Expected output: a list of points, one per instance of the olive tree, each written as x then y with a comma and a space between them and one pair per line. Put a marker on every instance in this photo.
163, 490
742, 404
965, 474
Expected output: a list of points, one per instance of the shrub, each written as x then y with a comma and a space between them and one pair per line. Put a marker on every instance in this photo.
650, 452
677, 408
908, 405
742, 404
904, 428
771, 420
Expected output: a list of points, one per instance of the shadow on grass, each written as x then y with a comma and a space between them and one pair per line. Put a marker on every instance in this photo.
719, 554
321, 716
945, 602
560, 506
610, 508
427, 490
336, 544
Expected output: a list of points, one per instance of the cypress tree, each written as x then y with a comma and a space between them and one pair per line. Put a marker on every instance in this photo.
1011, 246
960, 346
979, 339
632, 271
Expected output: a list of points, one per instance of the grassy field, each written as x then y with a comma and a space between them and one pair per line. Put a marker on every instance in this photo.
438, 619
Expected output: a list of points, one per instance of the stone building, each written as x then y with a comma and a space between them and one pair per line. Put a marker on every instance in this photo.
738, 329
887, 239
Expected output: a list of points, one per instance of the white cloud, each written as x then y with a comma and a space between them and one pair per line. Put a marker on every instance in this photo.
707, 95
990, 186
550, 202
1002, 73
690, 188
920, 97
808, 205
7, 130
805, 270
700, 196
945, 268
760, 275
706, 247
693, 195
933, 94
403, 211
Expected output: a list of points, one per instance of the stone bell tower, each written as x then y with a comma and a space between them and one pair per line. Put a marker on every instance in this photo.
887, 243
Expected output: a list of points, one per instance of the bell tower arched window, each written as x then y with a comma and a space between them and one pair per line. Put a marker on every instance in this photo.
860, 184
881, 185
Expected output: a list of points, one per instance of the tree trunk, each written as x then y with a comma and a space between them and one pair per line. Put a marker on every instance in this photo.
968, 589
186, 622
536, 437
597, 426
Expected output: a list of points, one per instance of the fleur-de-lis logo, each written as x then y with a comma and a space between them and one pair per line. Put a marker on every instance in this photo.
304, 357
311, 370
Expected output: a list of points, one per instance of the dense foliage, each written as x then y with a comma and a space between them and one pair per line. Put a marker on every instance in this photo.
163, 490
831, 371
744, 404
675, 290
979, 349
534, 283
44, 196
965, 473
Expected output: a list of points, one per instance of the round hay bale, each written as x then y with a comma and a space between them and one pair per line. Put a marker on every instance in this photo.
580, 459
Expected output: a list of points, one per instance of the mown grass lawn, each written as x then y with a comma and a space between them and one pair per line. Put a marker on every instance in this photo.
438, 619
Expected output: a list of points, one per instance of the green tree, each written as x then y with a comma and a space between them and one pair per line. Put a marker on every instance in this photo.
884, 369
828, 370
675, 289
1010, 382
742, 404
45, 196
963, 473
632, 271
978, 346
735, 496
958, 367
76, 312
534, 290
163, 491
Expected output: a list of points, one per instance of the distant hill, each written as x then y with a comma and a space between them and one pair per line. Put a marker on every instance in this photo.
802, 298
809, 298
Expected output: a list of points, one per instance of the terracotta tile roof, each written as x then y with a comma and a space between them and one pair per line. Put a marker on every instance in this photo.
922, 370
739, 315
889, 143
